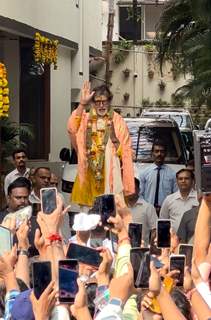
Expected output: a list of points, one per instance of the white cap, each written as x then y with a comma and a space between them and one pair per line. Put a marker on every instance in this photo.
85, 222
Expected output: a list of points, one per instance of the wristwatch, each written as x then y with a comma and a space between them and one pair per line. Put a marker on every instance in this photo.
23, 252
116, 302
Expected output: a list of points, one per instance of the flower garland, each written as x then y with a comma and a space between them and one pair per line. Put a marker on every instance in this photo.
97, 135
45, 50
4, 92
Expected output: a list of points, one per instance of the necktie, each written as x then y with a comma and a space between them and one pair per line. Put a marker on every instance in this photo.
157, 187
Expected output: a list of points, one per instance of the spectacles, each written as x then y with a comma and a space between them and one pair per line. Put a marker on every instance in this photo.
99, 102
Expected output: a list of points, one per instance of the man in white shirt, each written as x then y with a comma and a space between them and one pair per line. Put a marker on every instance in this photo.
142, 212
176, 204
19, 159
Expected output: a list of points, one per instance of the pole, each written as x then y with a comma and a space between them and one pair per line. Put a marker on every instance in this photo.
135, 35
109, 39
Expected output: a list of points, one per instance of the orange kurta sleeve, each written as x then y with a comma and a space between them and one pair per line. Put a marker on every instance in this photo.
122, 133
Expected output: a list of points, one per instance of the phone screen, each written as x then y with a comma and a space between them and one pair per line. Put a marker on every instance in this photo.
163, 233
48, 199
137, 257
84, 254
41, 272
68, 274
187, 250
107, 207
142, 280
135, 234
5, 240
177, 262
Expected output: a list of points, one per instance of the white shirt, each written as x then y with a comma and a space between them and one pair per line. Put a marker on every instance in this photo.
12, 176
144, 213
33, 198
174, 206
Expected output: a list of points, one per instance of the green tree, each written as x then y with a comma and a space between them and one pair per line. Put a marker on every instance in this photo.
184, 38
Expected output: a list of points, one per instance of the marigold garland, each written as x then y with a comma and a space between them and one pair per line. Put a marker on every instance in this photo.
45, 50
4, 92
96, 141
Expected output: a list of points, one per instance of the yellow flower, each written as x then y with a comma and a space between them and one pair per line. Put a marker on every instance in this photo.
5, 107
5, 83
5, 91
6, 100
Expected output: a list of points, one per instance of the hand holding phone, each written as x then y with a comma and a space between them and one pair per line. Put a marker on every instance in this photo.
48, 200
68, 274
177, 262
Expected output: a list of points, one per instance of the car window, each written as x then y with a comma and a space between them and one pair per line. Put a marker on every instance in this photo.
183, 120
143, 137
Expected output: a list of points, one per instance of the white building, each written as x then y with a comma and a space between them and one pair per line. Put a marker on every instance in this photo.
45, 101
142, 80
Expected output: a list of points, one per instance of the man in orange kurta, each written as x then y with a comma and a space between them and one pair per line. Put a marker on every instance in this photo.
117, 150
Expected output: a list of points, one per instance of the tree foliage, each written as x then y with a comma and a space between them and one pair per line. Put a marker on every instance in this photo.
184, 34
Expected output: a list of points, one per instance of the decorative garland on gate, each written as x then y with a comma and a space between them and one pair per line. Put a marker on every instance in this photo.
45, 50
4, 92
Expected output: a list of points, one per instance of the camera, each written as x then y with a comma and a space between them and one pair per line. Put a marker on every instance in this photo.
202, 156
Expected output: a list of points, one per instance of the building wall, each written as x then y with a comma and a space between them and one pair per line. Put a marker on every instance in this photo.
75, 20
59, 18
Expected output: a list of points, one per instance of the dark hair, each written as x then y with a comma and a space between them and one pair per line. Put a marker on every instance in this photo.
18, 151
91, 294
182, 303
20, 182
102, 90
186, 170
40, 168
159, 142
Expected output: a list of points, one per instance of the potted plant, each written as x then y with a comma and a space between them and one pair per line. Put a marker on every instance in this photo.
162, 85
126, 72
126, 96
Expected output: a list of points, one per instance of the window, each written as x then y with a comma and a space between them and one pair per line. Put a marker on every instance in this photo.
126, 26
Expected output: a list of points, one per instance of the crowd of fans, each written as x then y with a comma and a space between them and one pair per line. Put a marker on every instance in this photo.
107, 292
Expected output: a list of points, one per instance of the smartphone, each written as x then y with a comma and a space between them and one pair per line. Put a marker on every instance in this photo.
187, 250
41, 276
135, 234
163, 233
137, 257
84, 254
142, 280
106, 207
177, 262
68, 274
48, 199
6, 240
114, 241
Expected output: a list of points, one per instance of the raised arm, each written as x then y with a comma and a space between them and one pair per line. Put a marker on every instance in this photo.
202, 230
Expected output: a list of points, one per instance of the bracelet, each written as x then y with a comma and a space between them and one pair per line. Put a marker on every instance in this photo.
23, 252
54, 237
123, 239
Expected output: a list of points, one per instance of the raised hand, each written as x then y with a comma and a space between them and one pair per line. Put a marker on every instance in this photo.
86, 94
